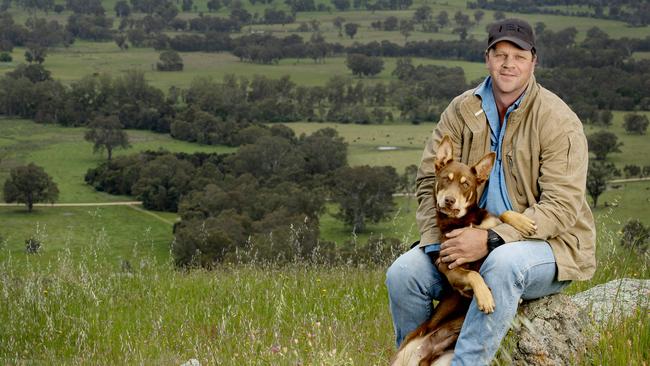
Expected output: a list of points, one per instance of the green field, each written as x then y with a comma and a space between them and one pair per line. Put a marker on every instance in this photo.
87, 58
103, 289
67, 156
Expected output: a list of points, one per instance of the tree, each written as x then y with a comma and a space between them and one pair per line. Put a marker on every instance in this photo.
631, 170
324, 151
35, 53
351, 29
362, 65
391, 23
443, 19
338, 23
407, 184
405, 29
478, 15
602, 143
341, 5
106, 133
170, 61
214, 5
606, 117
30, 184
122, 9
635, 124
635, 235
120, 41
598, 174
422, 14
364, 194
499, 15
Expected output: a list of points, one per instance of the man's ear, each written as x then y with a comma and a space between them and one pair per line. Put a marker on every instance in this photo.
445, 153
483, 167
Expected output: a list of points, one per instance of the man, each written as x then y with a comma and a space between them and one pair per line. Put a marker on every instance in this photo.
540, 170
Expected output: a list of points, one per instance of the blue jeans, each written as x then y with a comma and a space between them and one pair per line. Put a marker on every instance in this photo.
513, 271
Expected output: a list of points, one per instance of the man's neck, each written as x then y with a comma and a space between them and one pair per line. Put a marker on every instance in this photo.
504, 101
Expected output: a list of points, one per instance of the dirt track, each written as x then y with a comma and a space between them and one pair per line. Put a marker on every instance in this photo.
123, 203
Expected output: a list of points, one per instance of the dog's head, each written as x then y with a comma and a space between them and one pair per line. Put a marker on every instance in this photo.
456, 183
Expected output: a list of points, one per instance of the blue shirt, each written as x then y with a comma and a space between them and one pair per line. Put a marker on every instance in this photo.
495, 196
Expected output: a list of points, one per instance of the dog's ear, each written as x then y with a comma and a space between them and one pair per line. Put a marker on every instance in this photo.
445, 153
483, 167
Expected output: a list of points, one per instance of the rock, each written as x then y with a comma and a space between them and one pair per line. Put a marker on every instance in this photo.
556, 330
615, 299
192, 362
549, 331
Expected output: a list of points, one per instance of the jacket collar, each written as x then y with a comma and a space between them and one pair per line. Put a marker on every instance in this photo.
472, 111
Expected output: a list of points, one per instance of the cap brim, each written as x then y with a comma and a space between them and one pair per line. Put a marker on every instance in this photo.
518, 42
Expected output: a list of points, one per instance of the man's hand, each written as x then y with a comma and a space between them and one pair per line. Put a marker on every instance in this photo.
464, 245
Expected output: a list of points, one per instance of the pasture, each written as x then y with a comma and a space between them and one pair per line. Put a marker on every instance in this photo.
103, 289
89, 58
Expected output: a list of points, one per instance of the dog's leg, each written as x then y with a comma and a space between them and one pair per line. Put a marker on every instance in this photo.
466, 282
441, 340
519, 221
448, 305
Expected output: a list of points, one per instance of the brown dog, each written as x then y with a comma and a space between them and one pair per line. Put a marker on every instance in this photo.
457, 207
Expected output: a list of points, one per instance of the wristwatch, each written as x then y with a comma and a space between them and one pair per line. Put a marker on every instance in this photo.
493, 240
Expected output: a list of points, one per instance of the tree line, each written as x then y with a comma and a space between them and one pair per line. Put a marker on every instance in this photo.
266, 198
635, 13
214, 112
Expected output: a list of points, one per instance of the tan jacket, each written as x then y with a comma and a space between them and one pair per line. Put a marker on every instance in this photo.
545, 164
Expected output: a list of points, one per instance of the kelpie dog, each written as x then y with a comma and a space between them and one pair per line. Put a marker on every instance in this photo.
456, 204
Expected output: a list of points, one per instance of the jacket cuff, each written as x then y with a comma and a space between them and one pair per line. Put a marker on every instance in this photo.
508, 233
428, 237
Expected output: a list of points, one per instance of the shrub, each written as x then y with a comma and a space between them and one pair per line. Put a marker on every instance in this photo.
635, 236
170, 61
32, 246
632, 170
5, 57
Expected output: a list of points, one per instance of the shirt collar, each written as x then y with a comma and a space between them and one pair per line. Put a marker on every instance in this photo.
484, 91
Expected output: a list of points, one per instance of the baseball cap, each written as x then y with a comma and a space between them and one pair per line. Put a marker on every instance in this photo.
516, 31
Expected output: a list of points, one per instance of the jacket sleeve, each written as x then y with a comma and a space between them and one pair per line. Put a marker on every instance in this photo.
562, 184
425, 216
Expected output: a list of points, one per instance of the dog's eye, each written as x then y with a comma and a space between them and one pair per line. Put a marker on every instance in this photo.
465, 185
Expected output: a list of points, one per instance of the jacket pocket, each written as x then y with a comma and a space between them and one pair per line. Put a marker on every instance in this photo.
515, 178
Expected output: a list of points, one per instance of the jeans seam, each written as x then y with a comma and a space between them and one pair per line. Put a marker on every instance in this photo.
523, 274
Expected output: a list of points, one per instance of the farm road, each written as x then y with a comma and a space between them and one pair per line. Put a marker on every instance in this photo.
132, 204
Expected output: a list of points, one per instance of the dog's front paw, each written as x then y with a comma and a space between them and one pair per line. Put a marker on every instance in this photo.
522, 223
484, 300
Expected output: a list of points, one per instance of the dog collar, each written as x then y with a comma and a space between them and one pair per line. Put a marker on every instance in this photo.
432, 248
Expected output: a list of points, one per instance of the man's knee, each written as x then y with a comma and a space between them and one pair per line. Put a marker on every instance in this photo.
402, 272
414, 273
500, 264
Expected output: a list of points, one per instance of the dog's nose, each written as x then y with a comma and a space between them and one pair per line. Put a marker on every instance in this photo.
449, 201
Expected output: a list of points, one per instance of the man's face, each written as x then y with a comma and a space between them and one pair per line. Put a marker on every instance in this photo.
510, 68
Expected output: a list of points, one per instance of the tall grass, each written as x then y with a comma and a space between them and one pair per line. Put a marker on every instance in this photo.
88, 308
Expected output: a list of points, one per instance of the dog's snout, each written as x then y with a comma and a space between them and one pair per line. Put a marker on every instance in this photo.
449, 201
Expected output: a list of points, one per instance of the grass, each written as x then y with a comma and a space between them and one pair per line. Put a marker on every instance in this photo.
66, 156
87, 58
88, 310
364, 142
126, 232
84, 311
